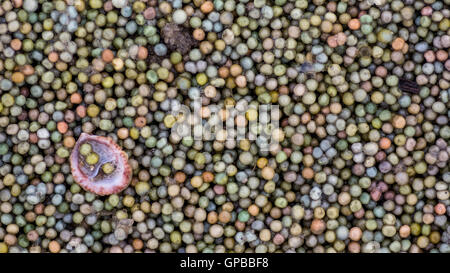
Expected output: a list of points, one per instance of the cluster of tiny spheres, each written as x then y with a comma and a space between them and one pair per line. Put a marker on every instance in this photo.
359, 163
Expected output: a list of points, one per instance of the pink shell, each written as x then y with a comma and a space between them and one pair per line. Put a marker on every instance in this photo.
108, 151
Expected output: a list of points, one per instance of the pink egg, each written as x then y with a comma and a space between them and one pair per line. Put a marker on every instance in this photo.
426, 11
